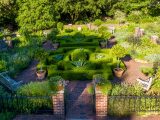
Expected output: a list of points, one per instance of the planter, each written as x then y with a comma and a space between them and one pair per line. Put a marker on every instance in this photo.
118, 72
41, 74
103, 44
9, 43
55, 45
60, 87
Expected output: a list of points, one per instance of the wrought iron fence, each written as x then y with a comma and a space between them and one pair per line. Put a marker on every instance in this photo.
26, 104
128, 104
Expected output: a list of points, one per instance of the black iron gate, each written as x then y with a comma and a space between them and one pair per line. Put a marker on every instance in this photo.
26, 104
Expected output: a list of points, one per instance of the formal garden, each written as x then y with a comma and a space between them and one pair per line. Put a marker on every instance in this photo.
118, 55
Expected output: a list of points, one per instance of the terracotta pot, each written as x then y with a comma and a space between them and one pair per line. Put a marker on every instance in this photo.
60, 87
56, 45
9, 43
118, 72
41, 74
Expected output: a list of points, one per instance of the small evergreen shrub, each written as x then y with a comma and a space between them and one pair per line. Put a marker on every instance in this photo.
60, 26
98, 22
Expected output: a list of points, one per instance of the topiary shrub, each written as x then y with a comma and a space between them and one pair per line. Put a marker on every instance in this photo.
119, 52
98, 22
79, 54
60, 26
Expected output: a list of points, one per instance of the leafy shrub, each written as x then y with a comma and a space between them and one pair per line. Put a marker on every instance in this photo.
79, 63
52, 35
3, 92
35, 89
17, 62
3, 65
41, 54
120, 16
147, 71
54, 82
153, 57
37, 92
60, 26
79, 55
68, 30
104, 31
7, 115
126, 89
98, 22
77, 74
155, 88
135, 14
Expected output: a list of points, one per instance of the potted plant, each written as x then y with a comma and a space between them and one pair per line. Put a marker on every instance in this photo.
103, 43
55, 44
41, 73
119, 52
101, 83
56, 83
8, 40
52, 37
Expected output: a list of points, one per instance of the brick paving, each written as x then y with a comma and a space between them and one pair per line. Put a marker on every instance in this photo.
134, 71
29, 74
35, 117
79, 103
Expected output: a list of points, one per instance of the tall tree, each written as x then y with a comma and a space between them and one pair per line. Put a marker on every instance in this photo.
8, 12
34, 15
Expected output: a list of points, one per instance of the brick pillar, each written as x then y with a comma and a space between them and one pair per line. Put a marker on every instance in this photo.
58, 105
101, 105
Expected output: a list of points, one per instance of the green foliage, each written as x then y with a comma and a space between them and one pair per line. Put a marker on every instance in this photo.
137, 15
125, 90
8, 11
60, 26
7, 115
155, 88
35, 15
120, 16
104, 32
37, 93
52, 35
35, 89
3, 65
147, 71
54, 82
119, 51
68, 30
97, 22
79, 55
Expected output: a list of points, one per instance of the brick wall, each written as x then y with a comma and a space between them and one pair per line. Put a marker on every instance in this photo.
101, 105
58, 105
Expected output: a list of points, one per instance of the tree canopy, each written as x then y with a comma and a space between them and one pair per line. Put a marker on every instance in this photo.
33, 15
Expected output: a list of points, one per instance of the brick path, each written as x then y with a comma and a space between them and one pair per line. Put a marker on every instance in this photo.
29, 74
134, 71
35, 117
79, 103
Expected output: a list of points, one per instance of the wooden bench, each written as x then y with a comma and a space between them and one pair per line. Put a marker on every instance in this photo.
146, 84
